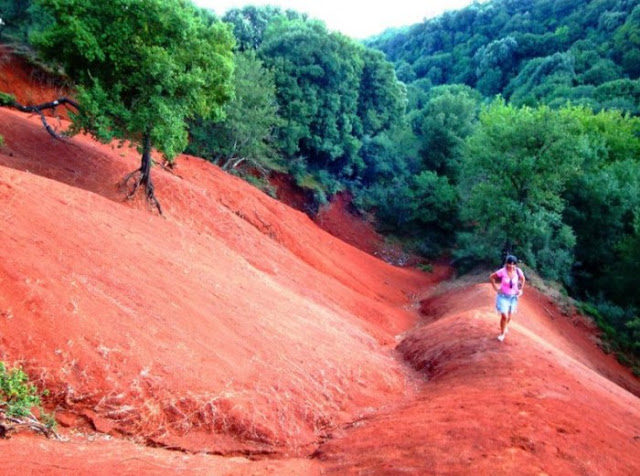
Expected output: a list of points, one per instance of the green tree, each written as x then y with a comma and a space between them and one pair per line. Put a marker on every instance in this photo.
250, 23
422, 208
433, 216
621, 94
405, 72
516, 168
14, 19
623, 276
142, 67
494, 63
392, 154
380, 126
246, 134
317, 77
381, 98
603, 203
18, 397
540, 78
444, 123
627, 43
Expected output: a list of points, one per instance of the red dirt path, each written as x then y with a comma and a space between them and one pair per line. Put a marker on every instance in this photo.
234, 336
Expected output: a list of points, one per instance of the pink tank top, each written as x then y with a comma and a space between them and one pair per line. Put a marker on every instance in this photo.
509, 286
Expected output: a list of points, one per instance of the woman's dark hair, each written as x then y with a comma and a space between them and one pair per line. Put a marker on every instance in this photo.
511, 259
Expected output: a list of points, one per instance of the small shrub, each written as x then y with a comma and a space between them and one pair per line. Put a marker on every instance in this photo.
426, 267
589, 310
623, 359
6, 99
18, 396
615, 315
606, 347
608, 330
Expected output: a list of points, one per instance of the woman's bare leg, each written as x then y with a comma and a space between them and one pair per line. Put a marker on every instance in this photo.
503, 325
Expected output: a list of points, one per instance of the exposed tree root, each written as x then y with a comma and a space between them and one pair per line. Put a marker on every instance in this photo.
142, 179
10, 425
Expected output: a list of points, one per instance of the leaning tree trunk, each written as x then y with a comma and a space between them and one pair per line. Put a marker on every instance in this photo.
143, 174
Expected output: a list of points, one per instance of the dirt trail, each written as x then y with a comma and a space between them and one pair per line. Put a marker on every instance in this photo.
235, 336
539, 403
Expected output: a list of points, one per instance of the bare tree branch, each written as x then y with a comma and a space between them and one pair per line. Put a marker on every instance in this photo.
39, 108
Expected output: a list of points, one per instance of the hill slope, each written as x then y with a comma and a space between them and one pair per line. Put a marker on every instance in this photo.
236, 330
539, 404
220, 299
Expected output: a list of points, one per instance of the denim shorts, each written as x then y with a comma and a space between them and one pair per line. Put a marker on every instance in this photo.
506, 304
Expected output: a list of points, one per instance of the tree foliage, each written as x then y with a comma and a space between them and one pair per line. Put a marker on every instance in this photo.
381, 98
156, 64
604, 203
535, 49
334, 95
443, 124
517, 166
251, 22
627, 43
246, 134
317, 77
15, 19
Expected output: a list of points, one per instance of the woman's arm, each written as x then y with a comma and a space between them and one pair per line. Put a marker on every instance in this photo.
521, 281
493, 277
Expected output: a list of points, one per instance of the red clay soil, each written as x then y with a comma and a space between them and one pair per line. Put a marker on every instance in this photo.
338, 219
28, 83
342, 220
232, 335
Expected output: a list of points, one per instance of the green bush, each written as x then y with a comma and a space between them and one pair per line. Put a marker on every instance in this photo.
17, 396
623, 359
427, 268
6, 99
620, 326
606, 347
589, 309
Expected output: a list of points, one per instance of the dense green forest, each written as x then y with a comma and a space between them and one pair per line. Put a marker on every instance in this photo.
507, 124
